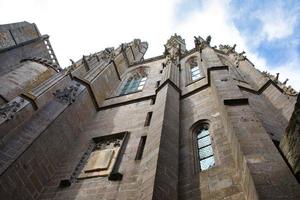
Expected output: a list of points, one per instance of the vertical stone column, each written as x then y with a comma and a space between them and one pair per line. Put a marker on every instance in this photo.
159, 173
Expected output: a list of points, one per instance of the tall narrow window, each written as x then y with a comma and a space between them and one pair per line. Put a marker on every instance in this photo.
133, 84
141, 147
204, 147
148, 119
195, 72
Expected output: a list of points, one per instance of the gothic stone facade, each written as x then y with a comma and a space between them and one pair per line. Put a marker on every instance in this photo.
188, 124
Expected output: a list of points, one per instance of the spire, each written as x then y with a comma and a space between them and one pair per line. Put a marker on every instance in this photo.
176, 43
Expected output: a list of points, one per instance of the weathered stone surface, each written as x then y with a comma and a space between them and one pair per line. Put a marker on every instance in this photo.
290, 143
46, 150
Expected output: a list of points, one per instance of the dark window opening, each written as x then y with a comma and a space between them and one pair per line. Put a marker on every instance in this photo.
148, 119
152, 101
141, 147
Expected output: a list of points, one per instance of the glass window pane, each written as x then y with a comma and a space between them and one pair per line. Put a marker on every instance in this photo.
194, 69
196, 77
207, 163
195, 73
205, 152
133, 85
202, 133
204, 141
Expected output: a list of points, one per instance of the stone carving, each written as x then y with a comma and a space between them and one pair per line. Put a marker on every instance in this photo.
208, 39
45, 62
288, 90
68, 94
9, 110
239, 57
136, 43
276, 78
107, 54
175, 41
227, 48
173, 49
99, 159
138, 73
172, 59
200, 43
290, 143
231, 49
72, 61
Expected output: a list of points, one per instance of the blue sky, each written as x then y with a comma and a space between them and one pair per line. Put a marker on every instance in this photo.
268, 31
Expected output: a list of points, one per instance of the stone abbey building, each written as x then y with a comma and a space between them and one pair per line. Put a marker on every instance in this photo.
188, 124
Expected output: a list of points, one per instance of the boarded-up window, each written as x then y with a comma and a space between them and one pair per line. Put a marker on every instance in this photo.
101, 159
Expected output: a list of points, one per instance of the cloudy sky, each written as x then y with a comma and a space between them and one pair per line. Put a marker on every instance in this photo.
267, 30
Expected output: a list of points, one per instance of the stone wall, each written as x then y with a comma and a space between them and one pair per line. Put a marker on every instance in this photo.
20, 41
290, 143
46, 132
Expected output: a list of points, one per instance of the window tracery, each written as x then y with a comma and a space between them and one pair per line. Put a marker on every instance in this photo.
205, 154
193, 70
135, 82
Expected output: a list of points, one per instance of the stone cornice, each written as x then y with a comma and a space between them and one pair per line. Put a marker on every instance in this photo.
143, 98
43, 37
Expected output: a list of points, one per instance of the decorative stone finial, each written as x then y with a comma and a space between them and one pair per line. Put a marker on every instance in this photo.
176, 43
286, 90
107, 54
208, 39
277, 77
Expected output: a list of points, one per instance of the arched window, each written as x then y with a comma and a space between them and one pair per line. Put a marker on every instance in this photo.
193, 70
204, 148
134, 83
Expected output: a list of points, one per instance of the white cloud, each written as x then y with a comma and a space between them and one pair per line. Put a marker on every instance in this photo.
215, 19
277, 22
82, 27
290, 70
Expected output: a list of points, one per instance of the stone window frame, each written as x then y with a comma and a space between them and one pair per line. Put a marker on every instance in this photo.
141, 73
195, 149
188, 69
114, 174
